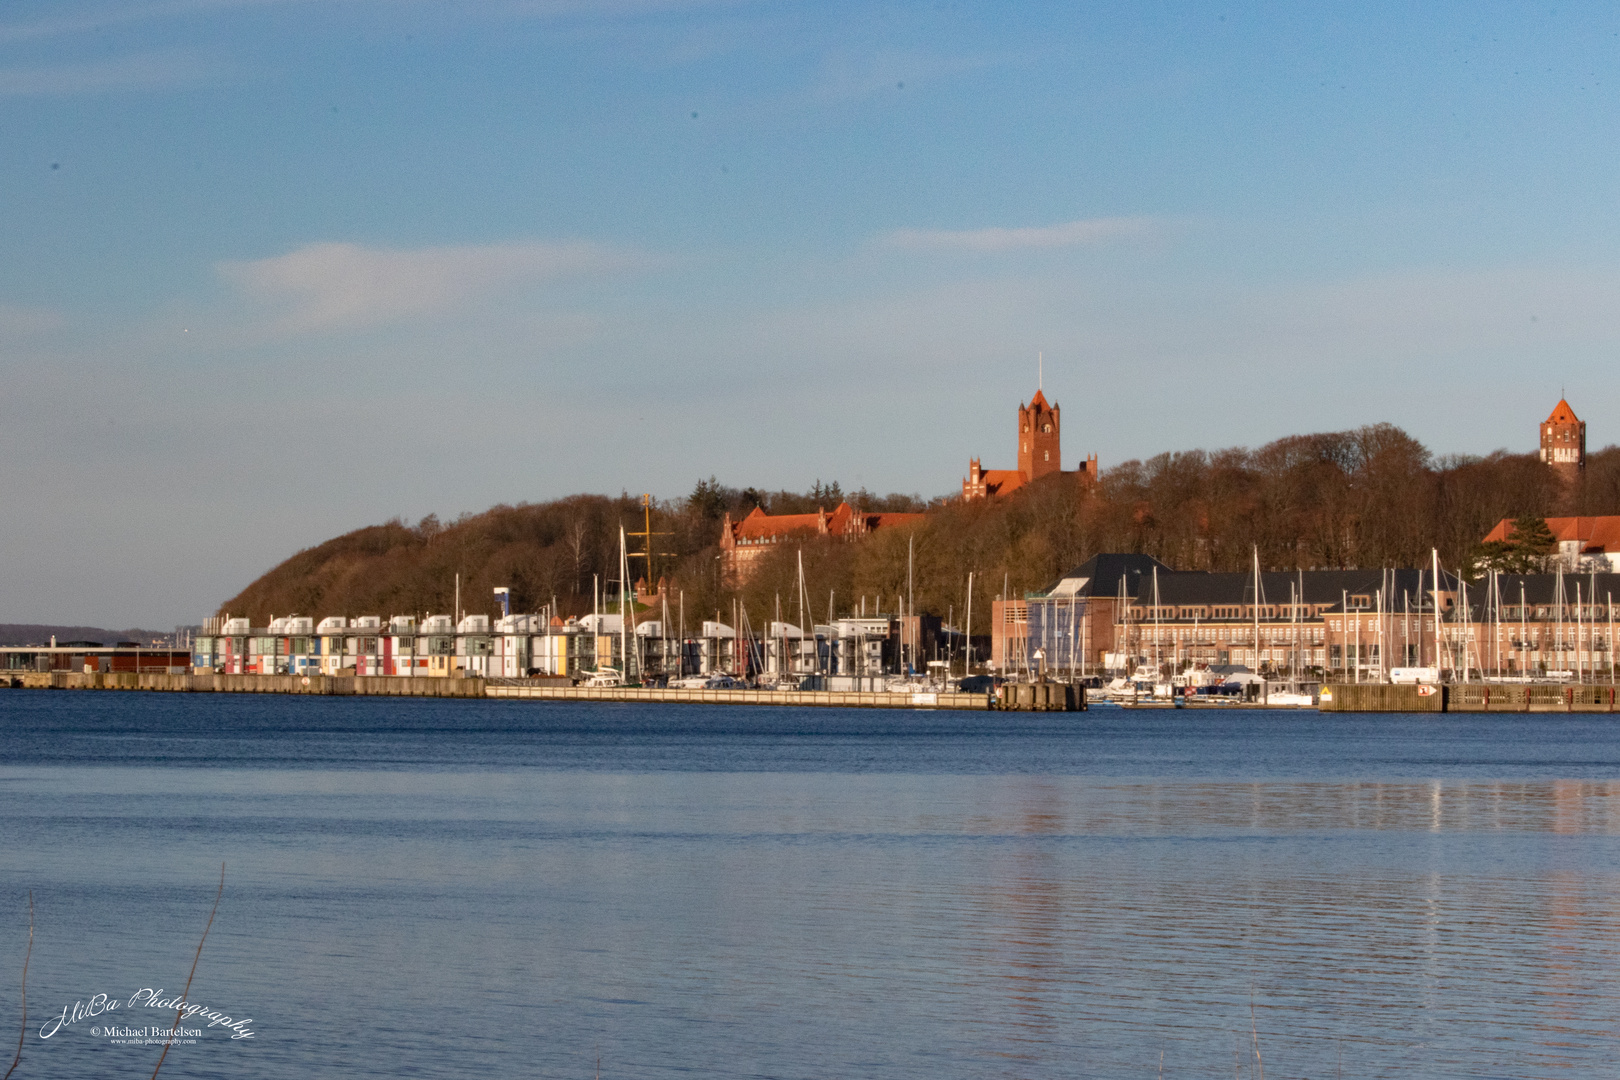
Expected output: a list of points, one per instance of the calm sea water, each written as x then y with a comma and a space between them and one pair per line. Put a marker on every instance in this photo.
418, 888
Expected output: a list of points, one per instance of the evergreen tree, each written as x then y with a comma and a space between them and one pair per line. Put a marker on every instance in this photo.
1533, 544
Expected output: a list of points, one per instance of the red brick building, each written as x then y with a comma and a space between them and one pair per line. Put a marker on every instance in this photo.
743, 543
1040, 453
1563, 441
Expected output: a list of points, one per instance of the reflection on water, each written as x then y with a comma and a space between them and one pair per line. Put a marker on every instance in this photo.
453, 922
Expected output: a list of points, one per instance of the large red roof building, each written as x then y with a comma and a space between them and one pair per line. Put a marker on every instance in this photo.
1040, 430
1584, 543
743, 543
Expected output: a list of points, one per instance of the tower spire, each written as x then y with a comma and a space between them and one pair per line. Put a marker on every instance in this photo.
1040, 371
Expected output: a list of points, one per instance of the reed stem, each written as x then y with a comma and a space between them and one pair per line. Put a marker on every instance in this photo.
186, 994
23, 1034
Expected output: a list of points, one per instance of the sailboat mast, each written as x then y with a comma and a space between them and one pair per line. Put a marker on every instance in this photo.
1355, 665
1579, 670
1158, 661
1381, 628
1257, 609
1434, 554
967, 664
1559, 603
624, 615
911, 595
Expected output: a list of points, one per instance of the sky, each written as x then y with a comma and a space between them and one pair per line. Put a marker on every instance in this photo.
271, 270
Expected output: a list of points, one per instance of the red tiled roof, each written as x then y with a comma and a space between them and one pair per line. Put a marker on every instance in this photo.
889, 521
759, 525
1595, 533
1002, 481
1562, 414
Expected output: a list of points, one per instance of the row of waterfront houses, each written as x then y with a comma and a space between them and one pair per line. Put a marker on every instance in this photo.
518, 646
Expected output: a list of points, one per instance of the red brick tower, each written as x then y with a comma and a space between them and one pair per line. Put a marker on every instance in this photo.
1563, 441
1038, 431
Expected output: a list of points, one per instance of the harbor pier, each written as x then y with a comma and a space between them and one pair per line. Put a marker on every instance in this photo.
1039, 697
1471, 697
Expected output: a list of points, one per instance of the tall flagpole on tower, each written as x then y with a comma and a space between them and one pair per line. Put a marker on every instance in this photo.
1040, 371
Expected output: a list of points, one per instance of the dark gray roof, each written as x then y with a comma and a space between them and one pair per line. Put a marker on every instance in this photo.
1103, 573
1320, 587
1542, 589
1403, 588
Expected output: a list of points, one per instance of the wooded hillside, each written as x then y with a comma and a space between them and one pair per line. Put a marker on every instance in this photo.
1369, 497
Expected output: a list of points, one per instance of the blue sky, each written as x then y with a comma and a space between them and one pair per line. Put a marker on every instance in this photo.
276, 270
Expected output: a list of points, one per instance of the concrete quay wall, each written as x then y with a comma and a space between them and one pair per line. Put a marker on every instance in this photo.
825, 698
535, 690
1472, 697
387, 685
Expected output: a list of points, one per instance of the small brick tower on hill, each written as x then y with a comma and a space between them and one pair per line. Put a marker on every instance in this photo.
1563, 441
1039, 424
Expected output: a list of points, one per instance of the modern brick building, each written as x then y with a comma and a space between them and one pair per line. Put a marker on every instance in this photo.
1128, 611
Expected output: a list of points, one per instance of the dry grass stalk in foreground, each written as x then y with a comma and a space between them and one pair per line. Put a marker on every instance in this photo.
1254, 1030
23, 1034
186, 993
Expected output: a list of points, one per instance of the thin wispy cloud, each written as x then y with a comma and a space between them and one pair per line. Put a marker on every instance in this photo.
106, 17
610, 8
141, 72
17, 320
1067, 234
847, 77
337, 286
